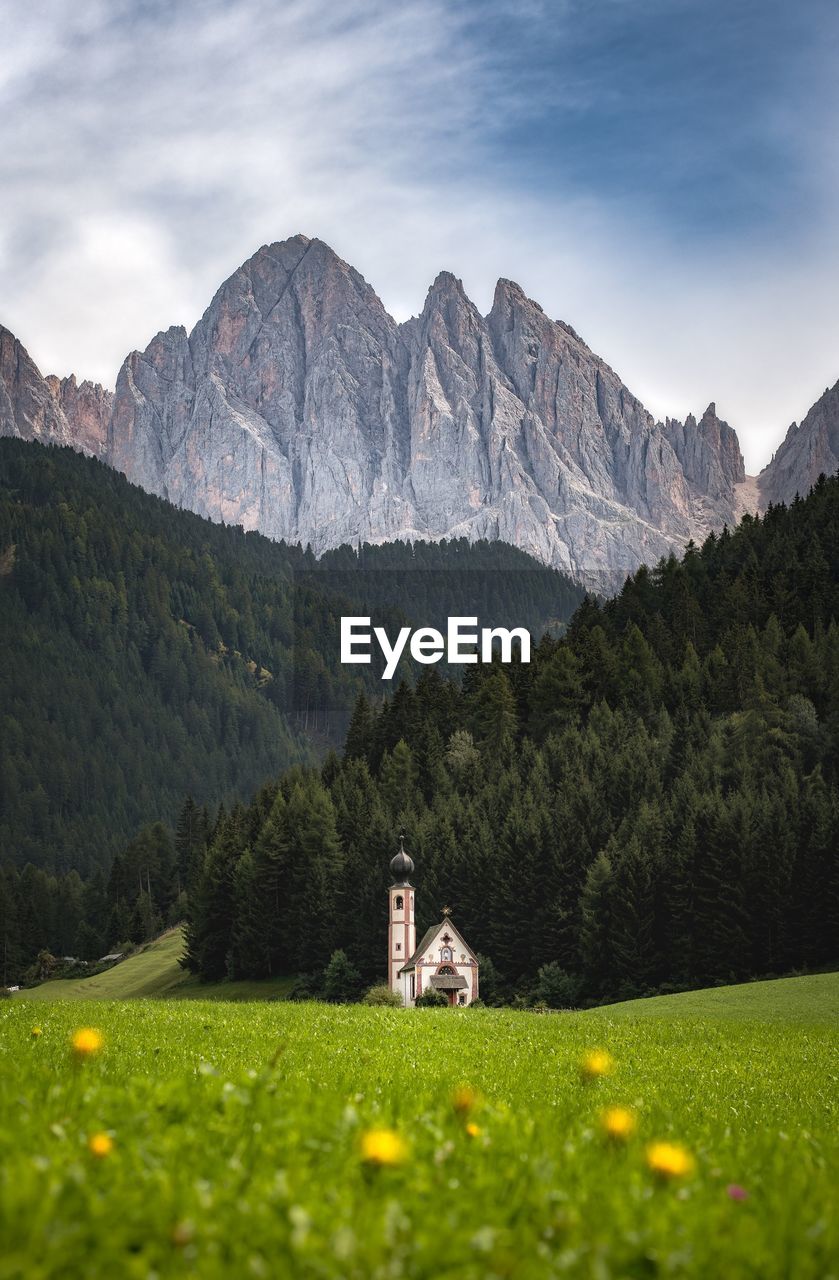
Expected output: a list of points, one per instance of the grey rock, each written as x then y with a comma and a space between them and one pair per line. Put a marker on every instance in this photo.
299, 407
87, 409
808, 451
52, 410
28, 408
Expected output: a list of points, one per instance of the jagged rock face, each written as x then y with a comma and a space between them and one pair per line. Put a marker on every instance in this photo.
709, 455
52, 410
297, 406
28, 408
807, 452
87, 409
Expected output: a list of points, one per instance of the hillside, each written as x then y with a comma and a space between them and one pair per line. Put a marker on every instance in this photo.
151, 654
154, 973
813, 998
653, 802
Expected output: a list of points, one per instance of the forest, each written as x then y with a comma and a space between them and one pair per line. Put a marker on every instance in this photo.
149, 654
652, 804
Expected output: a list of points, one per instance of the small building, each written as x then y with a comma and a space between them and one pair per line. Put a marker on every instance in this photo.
443, 960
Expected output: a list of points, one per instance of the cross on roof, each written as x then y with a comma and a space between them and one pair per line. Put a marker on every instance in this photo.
447, 911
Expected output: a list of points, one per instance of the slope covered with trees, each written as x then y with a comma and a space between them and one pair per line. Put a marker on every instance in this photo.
148, 653
652, 803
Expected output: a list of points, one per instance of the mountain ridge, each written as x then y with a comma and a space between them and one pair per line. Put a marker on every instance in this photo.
299, 407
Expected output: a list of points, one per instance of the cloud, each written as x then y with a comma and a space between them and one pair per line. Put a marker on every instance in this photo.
615, 166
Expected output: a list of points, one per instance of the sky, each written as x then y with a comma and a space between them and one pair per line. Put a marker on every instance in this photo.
661, 174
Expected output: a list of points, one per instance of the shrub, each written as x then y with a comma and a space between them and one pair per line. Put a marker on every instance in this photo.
431, 999
556, 988
341, 979
307, 987
383, 995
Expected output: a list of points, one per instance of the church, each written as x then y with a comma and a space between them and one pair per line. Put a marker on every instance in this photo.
442, 961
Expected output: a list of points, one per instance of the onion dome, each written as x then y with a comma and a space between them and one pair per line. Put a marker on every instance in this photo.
401, 866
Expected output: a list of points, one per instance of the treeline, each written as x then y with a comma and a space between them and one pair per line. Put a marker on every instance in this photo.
47, 920
150, 654
651, 804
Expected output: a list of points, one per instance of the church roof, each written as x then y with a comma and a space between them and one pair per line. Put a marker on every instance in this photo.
401, 866
448, 981
428, 938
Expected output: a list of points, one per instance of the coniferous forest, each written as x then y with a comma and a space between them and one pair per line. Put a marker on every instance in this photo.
652, 803
148, 653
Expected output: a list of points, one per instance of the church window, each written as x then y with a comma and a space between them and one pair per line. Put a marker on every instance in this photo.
413, 986
462, 998
445, 968
446, 954
399, 904
399, 946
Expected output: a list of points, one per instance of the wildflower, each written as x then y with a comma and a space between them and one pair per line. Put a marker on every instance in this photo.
596, 1063
100, 1145
736, 1192
36, 1033
669, 1160
618, 1123
464, 1099
473, 1130
383, 1148
87, 1042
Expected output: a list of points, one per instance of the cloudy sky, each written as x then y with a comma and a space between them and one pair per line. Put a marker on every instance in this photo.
662, 174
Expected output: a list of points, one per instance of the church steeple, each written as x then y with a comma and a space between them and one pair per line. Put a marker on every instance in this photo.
401, 930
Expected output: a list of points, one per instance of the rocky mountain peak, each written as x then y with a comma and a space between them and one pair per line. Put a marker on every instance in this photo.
808, 451
299, 407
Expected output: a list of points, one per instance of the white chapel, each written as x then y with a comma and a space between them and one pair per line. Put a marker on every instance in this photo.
443, 960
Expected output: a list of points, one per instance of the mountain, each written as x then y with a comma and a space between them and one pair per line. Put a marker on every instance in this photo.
297, 406
52, 410
808, 451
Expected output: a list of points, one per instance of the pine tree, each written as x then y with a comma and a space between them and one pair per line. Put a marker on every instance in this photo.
247, 956
341, 980
210, 930
493, 712
597, 918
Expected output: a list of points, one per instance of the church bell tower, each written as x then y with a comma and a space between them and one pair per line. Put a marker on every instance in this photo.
401, 930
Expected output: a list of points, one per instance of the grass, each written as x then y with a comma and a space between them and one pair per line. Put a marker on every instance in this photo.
155, 972
812, 998
237, 1132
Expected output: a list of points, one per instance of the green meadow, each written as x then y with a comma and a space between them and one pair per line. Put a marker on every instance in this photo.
154, 971
237, 1139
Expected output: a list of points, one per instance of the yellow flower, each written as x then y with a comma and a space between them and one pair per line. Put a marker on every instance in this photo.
383, 1148
473, 1130
464, 1099
669, 1160
618, 1123
596, 1063
100, 1145
36, 1033
87, 1042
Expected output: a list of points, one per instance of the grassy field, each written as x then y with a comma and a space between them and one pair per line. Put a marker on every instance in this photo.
813, 998
239, 1135
155, 972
